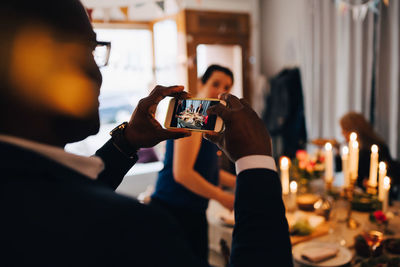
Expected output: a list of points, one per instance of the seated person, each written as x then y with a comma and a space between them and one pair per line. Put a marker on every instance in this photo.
199, 109
60, 209
366, 137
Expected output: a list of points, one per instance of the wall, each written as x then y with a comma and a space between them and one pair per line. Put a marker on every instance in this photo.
280, 40
150, 11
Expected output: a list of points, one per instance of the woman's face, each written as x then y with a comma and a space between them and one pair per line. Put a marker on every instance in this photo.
218, 83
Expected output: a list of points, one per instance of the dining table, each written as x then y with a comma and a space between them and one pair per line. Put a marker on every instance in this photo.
338, 233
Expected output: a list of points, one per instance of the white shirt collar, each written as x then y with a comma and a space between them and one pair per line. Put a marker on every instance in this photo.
88, 166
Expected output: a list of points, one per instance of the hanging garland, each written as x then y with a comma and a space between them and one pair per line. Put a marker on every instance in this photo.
359, 11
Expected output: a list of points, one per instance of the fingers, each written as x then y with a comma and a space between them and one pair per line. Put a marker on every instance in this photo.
219, 110
231, 100
174, 134
212, 137
160, 92
181, 95
245, 103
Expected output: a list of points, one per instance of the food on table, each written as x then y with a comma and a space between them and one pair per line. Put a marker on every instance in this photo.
301, 227
307, 201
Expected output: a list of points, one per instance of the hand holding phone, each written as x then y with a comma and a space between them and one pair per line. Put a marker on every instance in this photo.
143, 129
245, 133
191, 114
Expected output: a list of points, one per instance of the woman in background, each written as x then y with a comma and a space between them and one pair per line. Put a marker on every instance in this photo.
191, 175
366, 136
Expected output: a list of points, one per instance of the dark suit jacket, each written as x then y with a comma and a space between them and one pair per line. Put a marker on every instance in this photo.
54, 216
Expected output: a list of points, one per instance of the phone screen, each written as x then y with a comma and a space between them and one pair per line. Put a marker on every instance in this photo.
192, 114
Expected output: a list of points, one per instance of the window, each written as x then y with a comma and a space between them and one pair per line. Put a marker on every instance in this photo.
126, 79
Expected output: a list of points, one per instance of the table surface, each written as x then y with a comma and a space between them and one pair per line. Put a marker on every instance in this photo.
340, 234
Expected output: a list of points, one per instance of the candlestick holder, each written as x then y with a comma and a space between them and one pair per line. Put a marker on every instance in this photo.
371, 189
328, 186
351, 223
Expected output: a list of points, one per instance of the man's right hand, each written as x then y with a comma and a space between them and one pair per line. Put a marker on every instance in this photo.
245, 133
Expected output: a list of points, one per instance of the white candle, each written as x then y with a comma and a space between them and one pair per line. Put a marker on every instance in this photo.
284, 166
345, 166
293, 187
386, 188
354, 161
328, 163
382, 174
293, 194
353, 138
373, 167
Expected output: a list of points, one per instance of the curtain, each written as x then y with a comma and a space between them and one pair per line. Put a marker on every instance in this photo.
350, 65
387, 116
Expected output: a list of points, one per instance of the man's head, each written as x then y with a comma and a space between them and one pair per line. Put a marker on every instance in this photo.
49, 80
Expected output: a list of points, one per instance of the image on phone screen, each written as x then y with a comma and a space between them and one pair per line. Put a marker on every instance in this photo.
192, 114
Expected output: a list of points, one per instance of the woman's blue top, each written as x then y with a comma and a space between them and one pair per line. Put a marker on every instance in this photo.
175, 194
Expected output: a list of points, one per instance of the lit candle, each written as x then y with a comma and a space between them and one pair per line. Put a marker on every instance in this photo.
293, 193
382, 174
328, 163
285, 175
373, 167
386, 188
354, 161
353, 138
293, 187
345, 166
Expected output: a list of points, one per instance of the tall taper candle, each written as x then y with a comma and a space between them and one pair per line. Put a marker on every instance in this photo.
345, 166
373, 166
386, 188
284, 166
354, 161
293, 194
382, 174
328, 163
353, 138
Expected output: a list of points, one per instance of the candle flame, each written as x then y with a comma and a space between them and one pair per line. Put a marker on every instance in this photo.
374, 149
355, 144
284, 162
353, 136
382, 166
386, 182
345, 150
328, 146
293, 186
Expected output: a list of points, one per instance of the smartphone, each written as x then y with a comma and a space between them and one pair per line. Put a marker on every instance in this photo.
191, 114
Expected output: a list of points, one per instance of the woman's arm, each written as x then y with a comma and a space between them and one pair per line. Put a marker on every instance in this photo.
185, 154
227, 179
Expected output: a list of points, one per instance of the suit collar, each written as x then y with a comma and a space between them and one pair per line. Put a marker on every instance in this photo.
21, 152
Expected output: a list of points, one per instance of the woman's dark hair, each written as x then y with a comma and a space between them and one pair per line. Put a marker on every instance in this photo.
356, 122
211, 69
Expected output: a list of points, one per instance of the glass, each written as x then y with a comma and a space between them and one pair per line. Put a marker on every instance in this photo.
374, 239
101, 53
338, 219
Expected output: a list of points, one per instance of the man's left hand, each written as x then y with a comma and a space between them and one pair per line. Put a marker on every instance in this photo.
143, 129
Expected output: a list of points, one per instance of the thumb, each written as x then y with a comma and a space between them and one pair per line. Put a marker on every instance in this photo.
175, 134
219, 110
212, 137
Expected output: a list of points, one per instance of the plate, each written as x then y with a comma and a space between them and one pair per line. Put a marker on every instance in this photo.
343, 257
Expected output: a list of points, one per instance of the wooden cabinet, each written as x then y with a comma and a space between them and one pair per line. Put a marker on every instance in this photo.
196, 28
